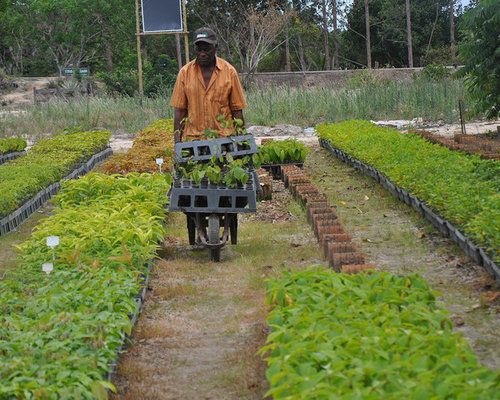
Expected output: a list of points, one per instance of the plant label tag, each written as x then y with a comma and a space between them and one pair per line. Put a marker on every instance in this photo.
159, 161
52, 241
47, 267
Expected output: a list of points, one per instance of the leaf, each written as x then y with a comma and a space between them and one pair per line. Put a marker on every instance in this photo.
99, 391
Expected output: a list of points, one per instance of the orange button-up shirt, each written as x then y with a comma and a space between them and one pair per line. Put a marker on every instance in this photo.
223, 95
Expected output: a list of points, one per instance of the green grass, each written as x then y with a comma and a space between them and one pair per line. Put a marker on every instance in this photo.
305, 107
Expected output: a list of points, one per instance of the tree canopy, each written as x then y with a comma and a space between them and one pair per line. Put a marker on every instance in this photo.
481, 50
41, 37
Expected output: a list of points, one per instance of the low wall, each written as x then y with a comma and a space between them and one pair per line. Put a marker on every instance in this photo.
337, 78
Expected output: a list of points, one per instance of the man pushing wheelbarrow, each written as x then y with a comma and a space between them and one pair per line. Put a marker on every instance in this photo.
213, 179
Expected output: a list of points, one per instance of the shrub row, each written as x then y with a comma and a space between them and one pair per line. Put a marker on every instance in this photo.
155, 141
462, 188
470, 144
48, 161
8, 145
58, 333
366, 336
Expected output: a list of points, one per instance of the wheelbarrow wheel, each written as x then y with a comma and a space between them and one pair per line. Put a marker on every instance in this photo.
214, 236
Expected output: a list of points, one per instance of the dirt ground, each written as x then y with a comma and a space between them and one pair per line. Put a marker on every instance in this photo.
23, 94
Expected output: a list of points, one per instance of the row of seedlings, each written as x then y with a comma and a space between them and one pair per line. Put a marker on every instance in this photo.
278, 153
337, 246
62, 327
151, 151
488, 149
26, 183
366, 336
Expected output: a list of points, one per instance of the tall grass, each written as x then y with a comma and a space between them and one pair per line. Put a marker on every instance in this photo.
429, 100
432, 101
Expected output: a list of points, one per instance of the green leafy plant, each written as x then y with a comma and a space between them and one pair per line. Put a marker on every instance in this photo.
220, 169
283, 151
60, 332
366, 336
480, 50
47, 162
8, 145
434, 72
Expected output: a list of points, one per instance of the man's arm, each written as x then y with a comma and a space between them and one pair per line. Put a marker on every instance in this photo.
238, 114
180, 114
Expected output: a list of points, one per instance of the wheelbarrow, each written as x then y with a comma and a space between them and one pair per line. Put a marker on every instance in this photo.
210, 208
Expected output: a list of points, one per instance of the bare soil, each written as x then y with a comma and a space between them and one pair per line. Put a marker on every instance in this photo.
23, 94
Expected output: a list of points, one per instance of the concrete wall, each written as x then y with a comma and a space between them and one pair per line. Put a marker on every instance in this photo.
337, 78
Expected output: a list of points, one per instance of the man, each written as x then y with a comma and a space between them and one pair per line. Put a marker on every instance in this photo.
206, 88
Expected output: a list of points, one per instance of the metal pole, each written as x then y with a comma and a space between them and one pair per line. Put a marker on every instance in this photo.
139, 59
184, 22
462, 122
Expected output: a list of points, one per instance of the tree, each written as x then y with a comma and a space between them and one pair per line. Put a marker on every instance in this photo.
325, 34
368, 39
335, 59
408, 29
452, 27
480, 49
260, 39
389, 33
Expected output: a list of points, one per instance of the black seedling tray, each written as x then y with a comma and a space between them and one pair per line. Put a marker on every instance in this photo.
186, 196
203, 150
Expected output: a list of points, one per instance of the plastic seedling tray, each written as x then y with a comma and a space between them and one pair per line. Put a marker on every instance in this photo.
203, 150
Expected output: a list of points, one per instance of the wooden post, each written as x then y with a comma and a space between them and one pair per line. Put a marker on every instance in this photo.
139, 59
184, 23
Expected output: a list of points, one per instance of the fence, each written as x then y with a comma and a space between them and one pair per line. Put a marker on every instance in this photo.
43, 95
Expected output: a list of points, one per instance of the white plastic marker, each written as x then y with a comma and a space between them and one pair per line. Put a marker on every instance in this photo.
47, 267
159, 161
52, 242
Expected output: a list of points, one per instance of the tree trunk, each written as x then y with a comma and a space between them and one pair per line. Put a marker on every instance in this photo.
178, 48
109, 55
368, 43
288, 66
452, 28
335, 60
433, 28
303, 66
408, 31
325, 35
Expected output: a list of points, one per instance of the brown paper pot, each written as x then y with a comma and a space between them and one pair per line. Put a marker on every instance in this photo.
337, 260
355, 268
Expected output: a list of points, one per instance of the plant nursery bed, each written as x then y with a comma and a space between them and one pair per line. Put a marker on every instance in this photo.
397, 239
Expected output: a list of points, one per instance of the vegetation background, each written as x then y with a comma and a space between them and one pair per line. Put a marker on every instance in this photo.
42, 37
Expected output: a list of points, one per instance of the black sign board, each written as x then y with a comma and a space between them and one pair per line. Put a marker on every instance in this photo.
161, 16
